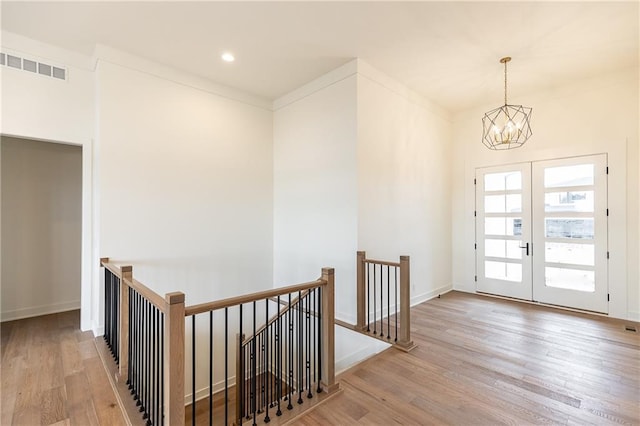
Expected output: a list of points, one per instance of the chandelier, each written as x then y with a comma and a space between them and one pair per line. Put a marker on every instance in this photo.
508, 126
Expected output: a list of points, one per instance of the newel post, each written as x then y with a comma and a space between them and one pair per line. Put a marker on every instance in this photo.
360, 290
174, 359
123, 356
404, 340
328, 378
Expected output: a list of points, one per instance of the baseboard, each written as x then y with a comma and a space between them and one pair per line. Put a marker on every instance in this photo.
634, 316
421, 298
37, 311
204, 392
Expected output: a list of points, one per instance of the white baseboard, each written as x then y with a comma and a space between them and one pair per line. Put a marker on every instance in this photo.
204, 392
421, 298
634, 316
36, 311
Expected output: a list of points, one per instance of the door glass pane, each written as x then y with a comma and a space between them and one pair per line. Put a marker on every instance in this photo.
560, 227
571, 279
503, 271
510, 203
580, 174
502, 226
502, 248
503, 181
576, 254
572, 201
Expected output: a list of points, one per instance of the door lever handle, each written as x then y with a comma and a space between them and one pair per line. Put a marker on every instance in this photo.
526, 246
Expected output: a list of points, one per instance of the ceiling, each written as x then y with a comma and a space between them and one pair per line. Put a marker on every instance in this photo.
446, 51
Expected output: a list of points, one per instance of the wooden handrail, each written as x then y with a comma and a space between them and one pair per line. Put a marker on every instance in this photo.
153, 297
382, 262
115, 270
294, 303
248, 298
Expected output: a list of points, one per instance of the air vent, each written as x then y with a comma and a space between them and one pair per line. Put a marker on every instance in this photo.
36, 67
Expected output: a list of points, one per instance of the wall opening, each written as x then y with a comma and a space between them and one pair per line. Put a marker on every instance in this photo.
41, 227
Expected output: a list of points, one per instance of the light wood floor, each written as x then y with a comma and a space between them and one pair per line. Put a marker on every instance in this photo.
486, 361
51, 374
480, 361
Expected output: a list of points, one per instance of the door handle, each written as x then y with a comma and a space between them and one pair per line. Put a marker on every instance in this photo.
526, 246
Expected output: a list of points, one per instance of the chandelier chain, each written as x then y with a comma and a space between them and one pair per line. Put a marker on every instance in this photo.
505, 82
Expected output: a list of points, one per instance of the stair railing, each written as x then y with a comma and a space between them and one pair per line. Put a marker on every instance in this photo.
290, 349
383, 300
145, 333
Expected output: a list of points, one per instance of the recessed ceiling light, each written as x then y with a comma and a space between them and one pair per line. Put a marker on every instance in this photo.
228, 57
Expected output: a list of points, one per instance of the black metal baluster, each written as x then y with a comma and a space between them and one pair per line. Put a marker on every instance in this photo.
375, 317
226, 366
152, 399
279, 360
240, 380
368, 296
134, 348
266, 361
148, 360
247, 349
162, 368
381, 303
308, 338
156, 407
211, 368
300, 348
254, 365
106, 306
395, 282
193, 369
147, 406
388, 305
319, 310
143, 324
130, 339
290, 351
314, 334
259, 387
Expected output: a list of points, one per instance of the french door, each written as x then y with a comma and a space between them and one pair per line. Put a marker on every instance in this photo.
541, 232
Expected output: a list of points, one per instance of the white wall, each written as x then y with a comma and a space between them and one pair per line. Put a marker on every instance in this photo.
404, 181
184, 191
315, 184
598, 115
43, 108
184, 179
361, 163
41, 221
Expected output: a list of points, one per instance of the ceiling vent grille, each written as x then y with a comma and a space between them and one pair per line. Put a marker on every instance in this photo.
48, 70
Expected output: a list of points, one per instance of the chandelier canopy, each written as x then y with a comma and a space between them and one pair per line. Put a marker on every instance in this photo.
508, 126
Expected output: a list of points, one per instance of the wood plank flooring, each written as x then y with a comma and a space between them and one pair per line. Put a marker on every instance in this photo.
480, 361
487, 361
51, 374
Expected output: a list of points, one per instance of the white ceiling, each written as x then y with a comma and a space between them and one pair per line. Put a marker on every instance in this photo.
447, 51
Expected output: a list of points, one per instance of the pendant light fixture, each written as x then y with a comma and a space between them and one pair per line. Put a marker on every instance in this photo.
508, 126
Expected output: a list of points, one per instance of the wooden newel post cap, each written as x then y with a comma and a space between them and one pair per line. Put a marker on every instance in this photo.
404, 258
104, 260
126, 269
327, 271
174, 298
